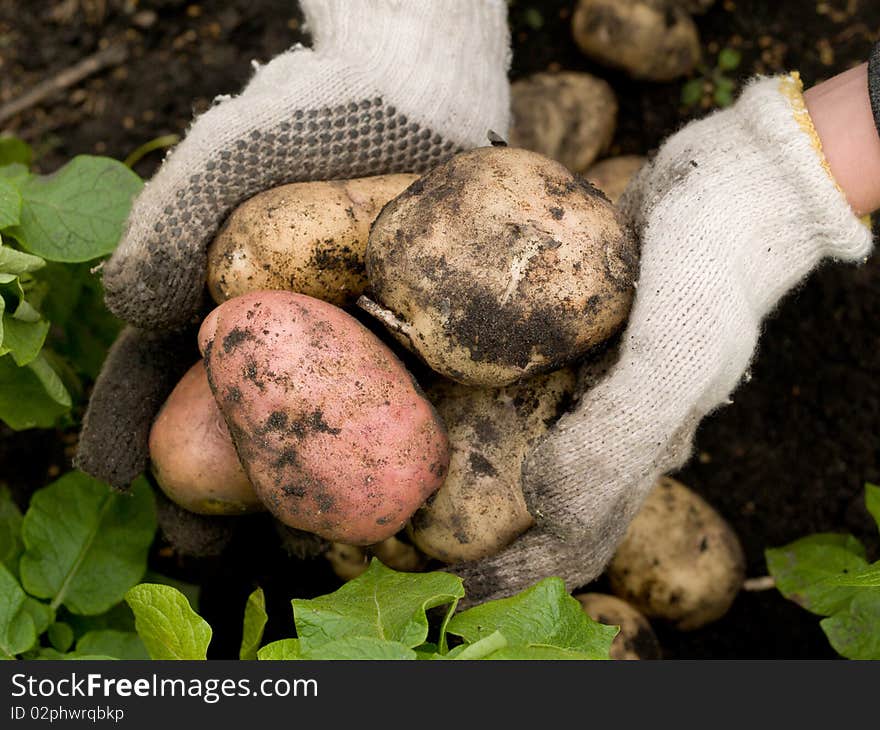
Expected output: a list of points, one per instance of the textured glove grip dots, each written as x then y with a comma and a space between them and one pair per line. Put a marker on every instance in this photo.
874, 83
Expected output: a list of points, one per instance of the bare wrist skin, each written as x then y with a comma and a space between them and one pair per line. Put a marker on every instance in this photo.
841, 112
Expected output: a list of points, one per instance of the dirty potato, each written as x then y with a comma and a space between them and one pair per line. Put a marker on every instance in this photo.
192, 456
349, 561
612, 176
569, 117
679, 560
500, 265
649, 39
304, 237
636, 639
480, 507
332, 430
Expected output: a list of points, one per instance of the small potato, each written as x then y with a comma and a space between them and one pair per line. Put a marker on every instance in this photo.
349, 561
569, 117
480, 507
649, 39
636, 639
192, 456
679, 560
612, 176
500, 265
332, 430
304, 237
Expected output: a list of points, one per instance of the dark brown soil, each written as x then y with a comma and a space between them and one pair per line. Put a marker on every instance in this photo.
789, 457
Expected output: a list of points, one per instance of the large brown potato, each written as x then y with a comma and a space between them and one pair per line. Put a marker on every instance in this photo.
499, 265
192, 456
612, 176
331, 428
569, 116
679, 560
480, 507
636, 639
304, 237
650, 39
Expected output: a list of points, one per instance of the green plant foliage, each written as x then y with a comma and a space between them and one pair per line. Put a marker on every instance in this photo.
11, 545
543, 622
109, 642
382, 615
713, 86
166, 623
77, 213
65, 222
829, 575
86, 545
255, 619
17, 632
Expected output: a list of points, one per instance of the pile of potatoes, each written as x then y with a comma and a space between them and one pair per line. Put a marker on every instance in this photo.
491, 278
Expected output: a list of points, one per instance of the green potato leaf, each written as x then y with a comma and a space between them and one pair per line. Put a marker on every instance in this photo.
77, 213
17, 632
872, 502
281, 650
255, 619
536, 623
10, 204
23, 340
116, 644
855, 632
729, 59
15, 151
11, 545
380, 603
86, 545
805, 570
18, 262
61, 636
166, 623
360, 648
24, 400
41, 613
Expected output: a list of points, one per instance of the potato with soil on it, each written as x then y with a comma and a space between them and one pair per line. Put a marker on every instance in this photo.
500, 265
349, 561
304, 237
480, 508
332, 430
679, 560
613, 175
649, 39
569, 117
192, 455
636, 639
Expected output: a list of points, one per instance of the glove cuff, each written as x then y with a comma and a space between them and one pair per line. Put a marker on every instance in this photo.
775, 115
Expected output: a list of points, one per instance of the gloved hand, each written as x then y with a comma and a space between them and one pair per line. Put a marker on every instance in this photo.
388, 86
734, 211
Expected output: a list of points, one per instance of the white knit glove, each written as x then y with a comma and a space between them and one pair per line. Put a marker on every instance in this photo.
389, 86
733, 212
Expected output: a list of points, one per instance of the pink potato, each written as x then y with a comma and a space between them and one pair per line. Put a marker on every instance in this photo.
192, 455
332, 430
